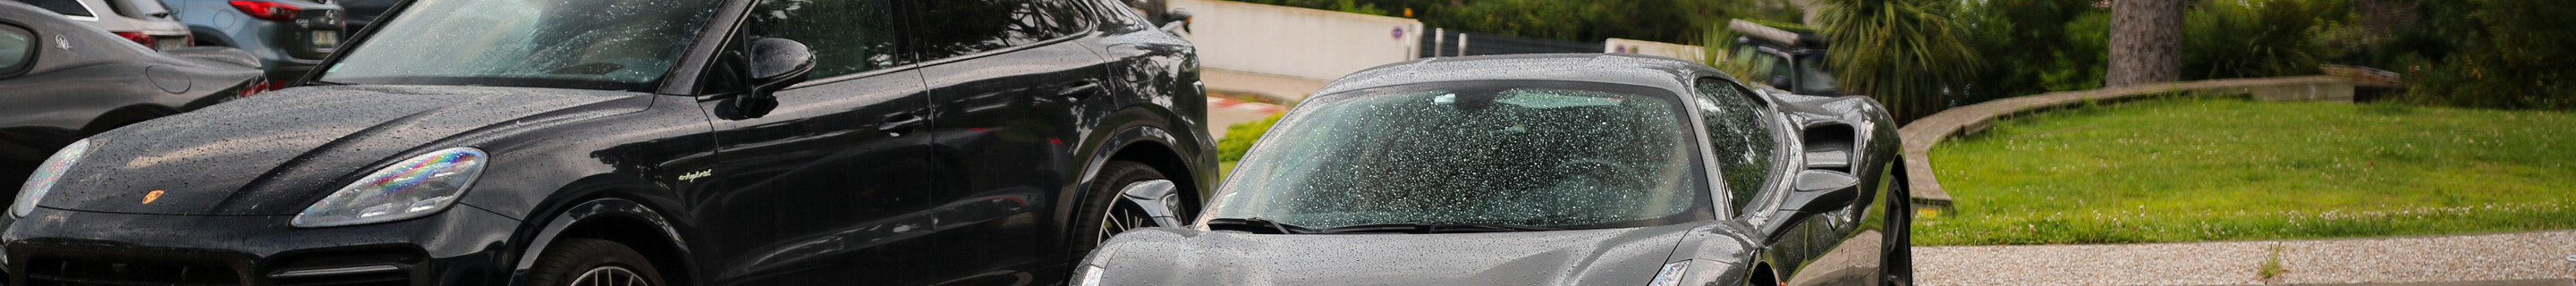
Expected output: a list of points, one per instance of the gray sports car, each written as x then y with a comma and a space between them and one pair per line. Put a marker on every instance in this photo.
1568, 169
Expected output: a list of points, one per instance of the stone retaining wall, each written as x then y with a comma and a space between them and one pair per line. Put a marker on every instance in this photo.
1923, 133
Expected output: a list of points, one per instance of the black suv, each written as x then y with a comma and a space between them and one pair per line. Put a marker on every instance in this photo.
650, 142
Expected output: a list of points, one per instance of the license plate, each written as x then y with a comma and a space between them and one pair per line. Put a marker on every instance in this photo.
326, 39
171, 43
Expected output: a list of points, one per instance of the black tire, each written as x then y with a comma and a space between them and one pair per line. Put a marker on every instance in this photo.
1897, 266
1100, 203
571, 261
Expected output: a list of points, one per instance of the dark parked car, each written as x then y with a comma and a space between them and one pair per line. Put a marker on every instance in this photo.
1787, 60
363, 12
647, 142
61, 81
288, 36
1567, 169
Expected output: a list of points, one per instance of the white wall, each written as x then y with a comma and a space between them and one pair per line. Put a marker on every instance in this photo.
1297, 42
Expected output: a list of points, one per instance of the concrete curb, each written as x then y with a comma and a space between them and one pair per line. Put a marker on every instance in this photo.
1922, 134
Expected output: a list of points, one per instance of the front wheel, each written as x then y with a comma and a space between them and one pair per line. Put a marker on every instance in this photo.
1107, 213
584, 261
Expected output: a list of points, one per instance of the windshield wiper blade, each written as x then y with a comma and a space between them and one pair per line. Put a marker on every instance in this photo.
1431, 227
1255, 225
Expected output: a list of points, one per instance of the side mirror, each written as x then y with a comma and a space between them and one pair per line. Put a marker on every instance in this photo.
1823, 190
1158, 198
775, 64
1176, 21
1814, 192
1780, 82
777, 60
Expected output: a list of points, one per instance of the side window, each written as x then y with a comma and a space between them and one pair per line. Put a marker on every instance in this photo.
1040, 20
1125, 17
66, 7
846, 36
960, 27
140, 9
1740, 135
17, 49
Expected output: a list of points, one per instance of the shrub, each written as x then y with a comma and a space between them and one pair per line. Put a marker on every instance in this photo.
1240, 136
2230, 39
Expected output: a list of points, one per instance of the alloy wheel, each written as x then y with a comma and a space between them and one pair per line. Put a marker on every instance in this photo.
610, 275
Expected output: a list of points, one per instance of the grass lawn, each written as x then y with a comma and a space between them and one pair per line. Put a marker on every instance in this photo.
2203, 169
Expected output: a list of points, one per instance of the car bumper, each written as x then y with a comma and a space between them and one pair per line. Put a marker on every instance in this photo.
461, 246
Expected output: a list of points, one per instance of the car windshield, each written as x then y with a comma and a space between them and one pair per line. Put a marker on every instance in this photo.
1548, 154
591, 44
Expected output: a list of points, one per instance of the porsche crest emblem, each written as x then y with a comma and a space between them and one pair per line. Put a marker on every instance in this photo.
152, 196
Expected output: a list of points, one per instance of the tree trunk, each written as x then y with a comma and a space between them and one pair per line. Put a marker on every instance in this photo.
2146, 42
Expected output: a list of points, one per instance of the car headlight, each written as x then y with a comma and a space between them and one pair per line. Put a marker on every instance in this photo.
1672, 274
412, 188
43, 180
1088, 275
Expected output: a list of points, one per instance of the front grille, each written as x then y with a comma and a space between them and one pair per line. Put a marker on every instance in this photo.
88, 272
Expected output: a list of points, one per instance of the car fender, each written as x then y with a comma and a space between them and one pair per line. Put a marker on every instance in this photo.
537, 239
1132, 126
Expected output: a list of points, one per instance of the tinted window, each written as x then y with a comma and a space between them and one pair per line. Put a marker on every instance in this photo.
144, 9
1561, 155
959, 27
1739, 132
846, 36
1040, 20
17, 48
65, 7
591, 44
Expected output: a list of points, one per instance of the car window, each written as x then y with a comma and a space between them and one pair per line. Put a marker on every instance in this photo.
1813, 77
17, 49
65, 7
141, 9
1121, 16
1739, 136
1571, 155
1041, 20
846, 36
588, 44
961, 27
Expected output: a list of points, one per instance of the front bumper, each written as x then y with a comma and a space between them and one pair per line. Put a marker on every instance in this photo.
460, 246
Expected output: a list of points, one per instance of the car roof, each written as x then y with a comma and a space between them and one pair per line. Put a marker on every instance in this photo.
1631, 69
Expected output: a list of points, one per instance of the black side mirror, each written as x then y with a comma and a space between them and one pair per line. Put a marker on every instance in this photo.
1176, 21
1780, 82
776, 63
1814, 192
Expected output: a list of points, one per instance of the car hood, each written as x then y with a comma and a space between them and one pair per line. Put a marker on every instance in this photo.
275, 153
1169, 256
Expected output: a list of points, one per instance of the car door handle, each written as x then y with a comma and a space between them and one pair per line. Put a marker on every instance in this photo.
1079, 90
898, 124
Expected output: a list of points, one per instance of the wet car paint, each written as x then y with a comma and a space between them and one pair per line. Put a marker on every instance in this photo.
809, 193
83, 81
1769, 241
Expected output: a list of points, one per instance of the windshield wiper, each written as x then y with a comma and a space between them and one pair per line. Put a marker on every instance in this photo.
1255, 225
1432, 227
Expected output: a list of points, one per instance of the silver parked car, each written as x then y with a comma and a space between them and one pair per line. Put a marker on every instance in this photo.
145, 22
288, 36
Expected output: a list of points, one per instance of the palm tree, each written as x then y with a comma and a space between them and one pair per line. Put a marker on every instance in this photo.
1906, 53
